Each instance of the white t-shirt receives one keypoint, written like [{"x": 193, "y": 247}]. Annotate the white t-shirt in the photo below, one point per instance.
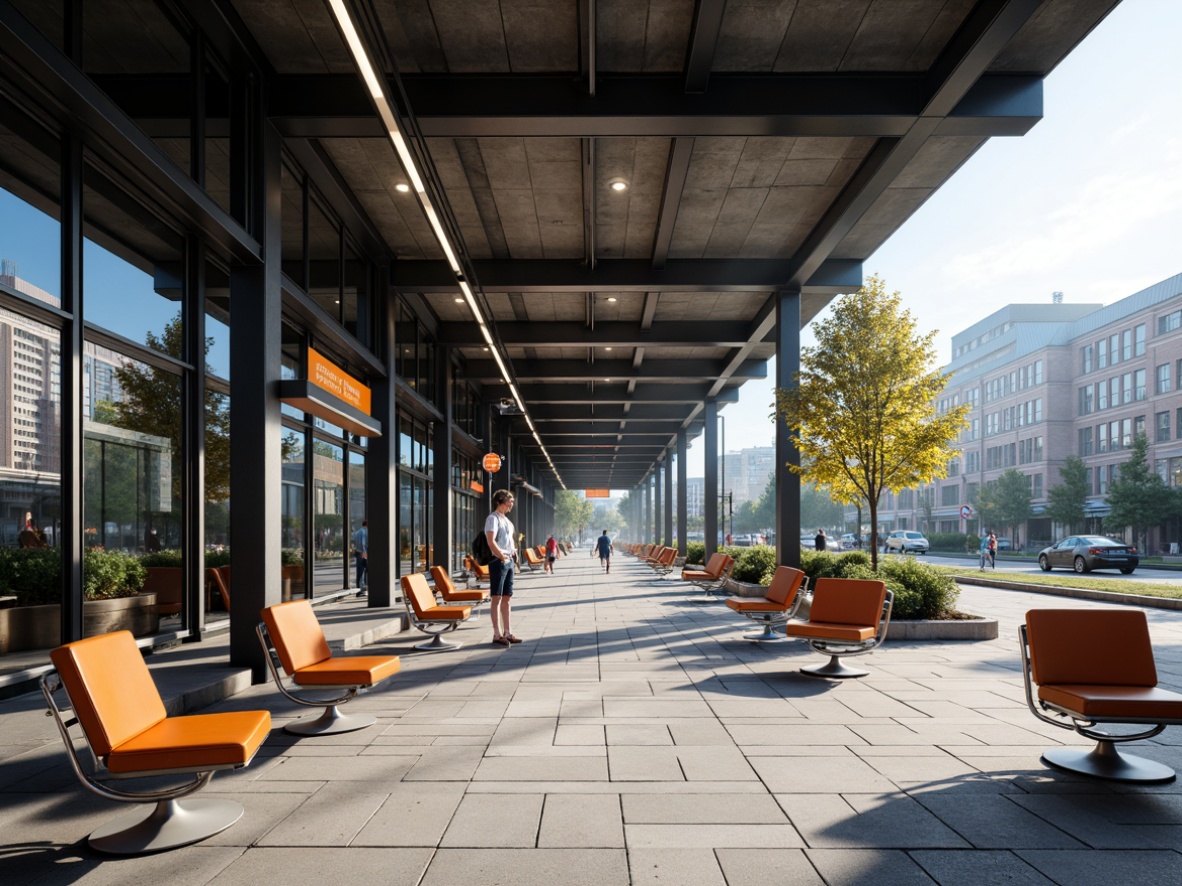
[{"x": 502, "y": 530}]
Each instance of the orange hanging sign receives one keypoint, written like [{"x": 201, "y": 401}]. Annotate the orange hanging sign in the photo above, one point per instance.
[
  {"x": 336, "y": 381},
  {"x": 492, "y": 463},
  {"x": 597, "y": 493}
]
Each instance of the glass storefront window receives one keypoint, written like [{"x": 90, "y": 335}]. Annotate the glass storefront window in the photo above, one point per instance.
[
  {"x": 292, "y": 511},
  {"x": 132, "y": 267},
  {"x": 357, "y": 511},
  {"x": 132, "y": 486},
  {"x": 355, "y": 295},
  {"x": 217, "y": 136},
  {"x": 30, "y": 494},
  {"x": 324, "y": 260},
  {"x": 137, "y": 37},
  {"x": 30, "y": 234},
  {"x": 328, "y": 515},
  {"x": 292, "y": 224}
]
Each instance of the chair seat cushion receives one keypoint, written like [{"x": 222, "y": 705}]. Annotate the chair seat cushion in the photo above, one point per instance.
[
  {"x": 819, "y": 630},
  {"x": 219, "y": 741},
  {"x": 467, "y": 596},
  {"x": 756, "y": 604},
  {"x": 445, "y": 613},
  {"x": 697, "y": 575},
  {"x": 349, "y": 670},
  {"x": 1144, "y": 702}
]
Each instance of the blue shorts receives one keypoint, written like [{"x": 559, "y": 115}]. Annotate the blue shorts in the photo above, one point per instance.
[{"x": 500, "y": 575}]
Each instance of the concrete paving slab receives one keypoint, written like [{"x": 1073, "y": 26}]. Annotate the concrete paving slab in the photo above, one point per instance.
[
  {"x": 702, "y": 809},
  {"x": 525, "y": 867},
  {"x": 591, "y": 822},
  {"x": 501, "y": 820},
  {"x": 685, "y": 867}
]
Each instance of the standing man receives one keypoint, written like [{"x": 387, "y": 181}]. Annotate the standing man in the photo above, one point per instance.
[
  {"x": 361, "y": 552},
  {"x": 992, "y": 549},
  {"x": 604, "y": 546},
  {"x": 499, "y": 532},
  {"x": 819, "y": 541}
]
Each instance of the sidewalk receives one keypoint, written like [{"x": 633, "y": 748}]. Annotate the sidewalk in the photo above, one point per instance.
[{"x": 635, "y": 738}]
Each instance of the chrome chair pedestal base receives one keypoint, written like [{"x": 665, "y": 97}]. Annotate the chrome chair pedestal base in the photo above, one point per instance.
[
  {"x": 768, "y": 634},
  {"x": 167, "y": 825},
  {"x": 1105, "y": 761},
  {"x": 834, "y": 669},
  {"x": 438, "y": 644},
  {"x": 331, "y": 722}
]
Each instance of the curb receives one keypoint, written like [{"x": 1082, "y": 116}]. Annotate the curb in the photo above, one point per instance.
[
  {"x": 925, "y": 629},
  {"x": 1076, "y": 593}
]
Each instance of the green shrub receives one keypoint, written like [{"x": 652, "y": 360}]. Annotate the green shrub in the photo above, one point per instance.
[
  {"x": 920, "y": 591},
  {"x": 32, "y": 575},
  {"x": 109, "y": 574},
  {"x": 755, "y": 565},
  {"x": 695, "y": 552},
  {"x": 288, "y": 557},
  {"x": 166, "y": 557}
]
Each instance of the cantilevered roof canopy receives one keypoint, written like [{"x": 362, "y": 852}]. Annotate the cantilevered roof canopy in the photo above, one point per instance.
[{"x": 753, "y": 148}]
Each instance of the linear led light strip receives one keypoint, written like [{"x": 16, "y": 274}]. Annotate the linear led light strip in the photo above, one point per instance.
[{"x": 394, "y": 130}]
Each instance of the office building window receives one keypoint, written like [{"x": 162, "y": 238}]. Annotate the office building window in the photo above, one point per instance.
[
  {"x": 1139, "y": 340},
  {"x": 1086, "y": 358},
  {"x": 1139, "y": 384},
  {"x": 1085, "y": 441},
  {"x": 1162, "y": 383},
  {"x": 1102, "y": 354},
  {"x": 1162, "y": 423}
]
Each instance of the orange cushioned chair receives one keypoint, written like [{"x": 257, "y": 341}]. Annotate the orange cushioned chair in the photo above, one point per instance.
[
  {"x": 428, "y": 616},
  {"x": 450, "y": 594},
  {"x": 216, "y": 581},
  {"x": 849, "y": 616},
  {"x": 1096, "y": 666},
  {"x": 532, "y": 560},
  {"x": 291, "y": 632},
  {"x": 130, "y": 736},
  {"x": 475, "y": 572},
  {"x": 784, "y": 596},
  {"x": 714, "y": 576}
]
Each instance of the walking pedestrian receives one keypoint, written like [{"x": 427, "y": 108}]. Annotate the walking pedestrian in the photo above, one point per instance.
[
  {"x": 361, "y": 554},
  {"x": 551, "y": 554},
  {"x": 992, "y": 549},
  {"x": 819, "y": 541},
  {"x": 603, "y": 545}
]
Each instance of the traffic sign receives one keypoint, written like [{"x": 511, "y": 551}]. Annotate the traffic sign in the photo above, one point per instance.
[
  {"x": 966, "y": 511},
  {"x": 492, "y": 463}
]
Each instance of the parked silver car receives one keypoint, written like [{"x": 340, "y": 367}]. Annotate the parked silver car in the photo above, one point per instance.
[
  {"x": 1083, "y": 553},
  {"x": 905, "y": 541}
]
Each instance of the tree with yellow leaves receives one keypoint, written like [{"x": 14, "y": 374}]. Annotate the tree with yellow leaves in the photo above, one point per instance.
[{"x": 863, "y": 411}]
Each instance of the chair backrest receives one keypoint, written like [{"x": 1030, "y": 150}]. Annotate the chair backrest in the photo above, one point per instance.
[
  {"x": 443, "y": 582},
  {"x": 165, "y": 583},
  {"x": 715, "y": 564},
  {"x": 532, "y": 557},
  {"x": 848, "y": 601},
  {"x": 785, "y": 585},
  {"x": 417, "y": 593},
  {"x": 296, "y": 634},
  {"x": 1090, "y": 647},
  {"x": 728, "y": 565},
  {"x": 110, "y": 689}
]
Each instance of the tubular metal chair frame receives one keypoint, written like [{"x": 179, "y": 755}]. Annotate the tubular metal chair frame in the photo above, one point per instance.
[
  {"x": 168, "y": 823},
  {"x": 434, "y": 629},
  {"x": 1104, "y": 760},
  {"x": 332, "y": 721},
  {"x": 710, "y": 585},
  {"x": 773, "y": 620},
  {"x": 836, "y": 649}
]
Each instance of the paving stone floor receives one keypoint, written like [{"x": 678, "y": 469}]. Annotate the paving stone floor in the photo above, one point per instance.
[{"x": 636, "y": 738}]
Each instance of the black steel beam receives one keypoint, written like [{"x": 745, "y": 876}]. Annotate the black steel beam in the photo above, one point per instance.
[
  {"x": 884, "y": 105},
  {"x": 486, "y": 371},
  {"x": 617, "y": 333},
  {"x": 650, "y": 392},
  {"x": 628, "y": 275}
]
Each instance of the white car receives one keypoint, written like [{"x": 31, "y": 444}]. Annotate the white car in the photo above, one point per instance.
[{"x": 904, "y": 541}]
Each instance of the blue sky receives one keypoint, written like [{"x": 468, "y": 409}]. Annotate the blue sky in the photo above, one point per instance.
[{"x": 1088, "y": 203}]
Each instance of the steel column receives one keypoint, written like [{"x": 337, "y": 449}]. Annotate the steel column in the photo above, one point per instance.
[
  {"x": 710, "y": 490},
  {"x": 787, "y": 482},
  {"x": 682, "y": 493},
  {"x": 668, "y": 497}
]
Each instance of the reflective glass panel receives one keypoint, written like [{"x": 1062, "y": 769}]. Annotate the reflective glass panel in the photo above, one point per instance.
[
  {"x": 328, "y": 514},
  {"x": 292, "y": 511}
]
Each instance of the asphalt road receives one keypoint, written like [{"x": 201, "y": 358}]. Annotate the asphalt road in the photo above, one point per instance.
[{"x": 1143, "y": 573}]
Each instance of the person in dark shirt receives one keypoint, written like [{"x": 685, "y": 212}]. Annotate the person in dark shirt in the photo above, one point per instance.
[
  {"x": 819, "y": 541},
  {"x": 604, "y": 546}
]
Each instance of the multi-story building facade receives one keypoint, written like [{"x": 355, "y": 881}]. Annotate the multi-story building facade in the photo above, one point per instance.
[{"x": 1048, "y": 381}]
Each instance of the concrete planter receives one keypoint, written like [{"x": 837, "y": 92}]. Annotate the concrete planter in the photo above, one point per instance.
[
  {"x": 39, "y": 627},
  {"x": 745, "y": 589},
  {"x": 926, "y": 629}
]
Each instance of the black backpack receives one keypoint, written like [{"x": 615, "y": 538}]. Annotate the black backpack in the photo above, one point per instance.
[{"x": 481, "y": 552}]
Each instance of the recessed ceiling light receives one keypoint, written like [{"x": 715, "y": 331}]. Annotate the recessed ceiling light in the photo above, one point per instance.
[
  {"x": 612, "y": 298},
  {"x": 402, "y": 187},
  {"x": 484, "y": 349},
  {"x": 459, "y": 300},
  {"x": 607, "y": 349},
  {"x": 619, "y": 185},
  {"x": 607, "y": 379}
]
